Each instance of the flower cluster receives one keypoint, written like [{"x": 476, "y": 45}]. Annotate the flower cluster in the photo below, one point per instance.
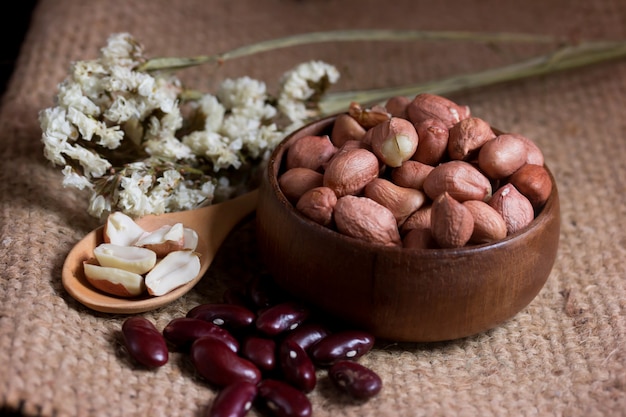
[{"x": 141, "y": 144}]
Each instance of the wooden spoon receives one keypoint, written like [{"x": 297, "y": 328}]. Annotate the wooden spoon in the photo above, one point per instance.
[{"x": 213, "y": 223}]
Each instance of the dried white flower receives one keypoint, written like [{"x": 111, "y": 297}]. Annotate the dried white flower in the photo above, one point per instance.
[
  {"x": 122, "y": 50},
  {"x": 122, "y": 133},
  {"x": 168, "y": 147},
  {"x": 72, "y": 96},
  {"x": 57, "y": 130},
  {"x": 214, "y": 147},
  {"x": 133, "y": 194},
  {"x": 301, "y": 84},
  {"x": 212, "y": 111},
  {"x": 242, "y": 92},
  {"x": 72, "y": 179},
  {"x": 99, "y": 205},
  {"x": 186, "y": 197}
]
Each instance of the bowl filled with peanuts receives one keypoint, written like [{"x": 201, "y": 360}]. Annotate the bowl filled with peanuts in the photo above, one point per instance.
[{"x": 414, "y": 220}]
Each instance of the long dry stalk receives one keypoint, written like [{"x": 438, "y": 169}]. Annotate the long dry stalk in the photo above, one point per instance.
[
  {"x": 173, "y": 63},
  {"x": 567, "y": 57}
]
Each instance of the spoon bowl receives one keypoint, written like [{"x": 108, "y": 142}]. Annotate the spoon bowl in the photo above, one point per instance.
[{"x": 213, "y": 223}]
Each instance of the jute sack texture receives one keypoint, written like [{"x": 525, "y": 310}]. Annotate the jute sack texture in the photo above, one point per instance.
[{"x": 563, "y": 355}]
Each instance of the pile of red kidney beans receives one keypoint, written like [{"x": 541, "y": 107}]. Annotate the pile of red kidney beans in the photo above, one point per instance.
[{"x": 259, "y": 349}]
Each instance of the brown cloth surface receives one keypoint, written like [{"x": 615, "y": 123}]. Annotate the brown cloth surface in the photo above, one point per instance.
[{"x": 563, "y": 355}]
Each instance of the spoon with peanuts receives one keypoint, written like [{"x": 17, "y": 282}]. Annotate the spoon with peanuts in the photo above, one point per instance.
[{"x": 212, "y": 224}]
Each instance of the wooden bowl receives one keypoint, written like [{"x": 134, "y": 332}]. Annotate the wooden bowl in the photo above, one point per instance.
[{"x": 401, "y": 294}]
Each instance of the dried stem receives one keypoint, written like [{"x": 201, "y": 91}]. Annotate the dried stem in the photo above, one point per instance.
[
  {"x": 173, "y": 63},
  {"x": 567, "y": 57}
]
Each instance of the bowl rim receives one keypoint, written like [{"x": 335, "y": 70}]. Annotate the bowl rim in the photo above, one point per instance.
[{"x": 274, "y": 166}]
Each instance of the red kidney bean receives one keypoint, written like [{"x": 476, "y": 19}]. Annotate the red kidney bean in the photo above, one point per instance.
[
  {"x": 296, "y": 366},
  {"x": 183, "y": 331},
  {"x": 234, "y": 400},
  {"x": 307, "y": 334},
  {"x": 219, "y": 365},
  {"x": 144, "y": 342},
  {"x": 261, "y": 351},
  {"x": 283, "y": 399},
  {"x": 355, "y": 379},
  {"x": 231, "y": 316},
  {"x": 235, "y": 296},
  {"x": 346, "y": 344},
  {"x": 281, "y": 317},
  {"x": 262, "y": 292}
]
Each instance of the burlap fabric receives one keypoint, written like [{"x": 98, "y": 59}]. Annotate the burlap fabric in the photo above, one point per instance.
[{"x": 563, "y": 355}]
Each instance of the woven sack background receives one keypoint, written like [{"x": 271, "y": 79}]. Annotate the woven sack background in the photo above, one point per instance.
[{"x": 563, "y": 355}]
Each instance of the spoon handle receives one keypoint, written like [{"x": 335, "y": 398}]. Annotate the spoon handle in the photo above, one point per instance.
[{"x": 220, "y": 219}]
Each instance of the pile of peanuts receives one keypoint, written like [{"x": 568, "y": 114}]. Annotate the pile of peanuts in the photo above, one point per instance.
[
  {"x": 416, "y": 173},
  {"x": 259, "y": 349}
]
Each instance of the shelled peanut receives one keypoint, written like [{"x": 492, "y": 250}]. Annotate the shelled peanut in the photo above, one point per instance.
[
  {"x": 133, "y": 262},
  {"x": 417, "y": 173}
]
